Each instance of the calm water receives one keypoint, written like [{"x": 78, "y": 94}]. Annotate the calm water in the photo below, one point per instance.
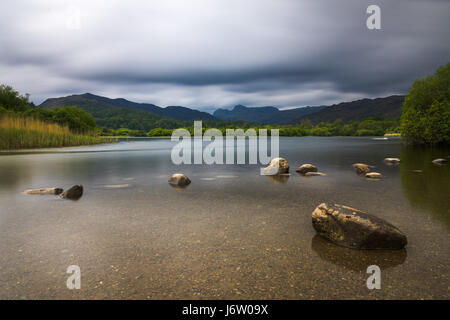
[{"x": 231, "y": 234}]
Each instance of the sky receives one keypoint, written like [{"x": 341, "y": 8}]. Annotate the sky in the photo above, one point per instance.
[{"x": 207, "y": 54}]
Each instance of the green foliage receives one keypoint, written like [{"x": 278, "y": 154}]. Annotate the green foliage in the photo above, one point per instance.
[
  {"x": 78, "y": 120},
  {"x": 12, "y": 100},
  {"x": 426, "y": 110},
  {"x": 369, "y": 127},
  {"x": 22, "y": 125},
  {"x": 3, "y": 110},
  {"x": 159, "y": 132}
]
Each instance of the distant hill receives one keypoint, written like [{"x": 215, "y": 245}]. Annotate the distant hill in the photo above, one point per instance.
[
  {"x": 265, "y": 115},
  {"x": 90, "y": 101},
  {"x": 382, "y": 108}
]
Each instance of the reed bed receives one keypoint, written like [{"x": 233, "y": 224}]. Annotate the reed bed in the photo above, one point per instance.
[{"x": 20, "y": 132}]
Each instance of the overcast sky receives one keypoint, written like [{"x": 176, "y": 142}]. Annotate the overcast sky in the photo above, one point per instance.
[{"x": 201, "y": 54}]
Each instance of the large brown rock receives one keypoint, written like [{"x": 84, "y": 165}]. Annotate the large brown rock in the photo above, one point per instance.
[
  {"x": 276, "y": 166},
  {"x": 304, "y": 168},
  {"x": 352, "y": 228},
  {"x": 73, "y": 193}
]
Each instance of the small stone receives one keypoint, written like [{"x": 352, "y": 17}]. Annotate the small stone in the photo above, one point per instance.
[
  {"x": 304, "y": 168},
  {"x": 362, "y": 168},
  {"x": 73, "y": 193},
  {"x": 374, "y": 175},
  {"x": 440, "y": 161},
  {"x": 179, "y": 180},
  {"x": 392, "y": 160},
  {"x": 313, "y": 174},
  {"x": 43, "y": 191},
  {"x": 117, "y": 186}
]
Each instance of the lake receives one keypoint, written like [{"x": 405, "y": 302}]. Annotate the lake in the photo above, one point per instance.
[{"x": 231, "y": 234}]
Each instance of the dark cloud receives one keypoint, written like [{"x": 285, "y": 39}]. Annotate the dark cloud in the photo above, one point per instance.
[{"x": 220, "y": 53}]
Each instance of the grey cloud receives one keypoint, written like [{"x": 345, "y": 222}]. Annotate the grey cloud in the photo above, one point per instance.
[{"x": 220, "y": 53}]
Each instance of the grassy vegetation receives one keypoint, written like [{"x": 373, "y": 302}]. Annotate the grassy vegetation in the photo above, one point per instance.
[
  {"x": 22, "y": 125},
  {"x": 17, "y": 132}
]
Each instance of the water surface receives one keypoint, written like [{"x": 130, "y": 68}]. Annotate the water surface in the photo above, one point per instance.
[{"x": 231, "y": 234}]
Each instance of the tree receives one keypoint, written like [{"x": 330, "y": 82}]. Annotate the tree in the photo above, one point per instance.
[
  {"x": 76, "y": 119},
  {"x": 12, "y": 100},
  {"x": 426, "y": 111}
]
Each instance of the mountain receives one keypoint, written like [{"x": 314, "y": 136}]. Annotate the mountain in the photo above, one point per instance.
[
  {"x": 122, "y": 113},
  {"x": 264, "y": 115},
  {"x": 383, "y": 108},
  {"x": 90, "y": 101}
]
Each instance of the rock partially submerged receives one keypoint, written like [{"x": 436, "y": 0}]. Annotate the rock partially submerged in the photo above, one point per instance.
[
  {"x": 305, "y": 168},
  {"x": 276, "y": 166},
  {"x": 392, "y": 161},
  {"x": 73, "y": 193},
  {"x": 43, "y": 191},
  {"x": 117, "y": 186},
  {"x": 374, "y": 175},
  {"x": 352, "y": 228},
  {"x": 314, "y": 174},
  {"x": 179, "y": 180},
  {"x": 362, "y": 168},
  {"x": 440, "y": 161}
]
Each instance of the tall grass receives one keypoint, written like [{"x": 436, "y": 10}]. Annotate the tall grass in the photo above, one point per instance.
[{"x": 20, "y": 132}]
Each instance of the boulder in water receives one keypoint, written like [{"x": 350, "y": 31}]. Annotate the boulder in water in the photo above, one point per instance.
[
  {"x": 374, "y": 175},
  {"x": 352, "y": 228},
  {"x": 314, "y": 174},
  {"x": 362, "y": 168},
  {"x": 304, "y": 168},
  {"x": 276, "y": 166},
  {"x": 179, "y": 180},
  {"x": 392, "y": 161},
  {"x": 73, "y": 193}
]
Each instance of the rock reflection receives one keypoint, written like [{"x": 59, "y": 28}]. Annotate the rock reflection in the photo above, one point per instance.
[
  {"x": 179, "y": 188},
  {"x": 425, "y": 185},
  {"x": 14, "y": 175},
  {"x": 357, "y": 260},
  {"x": 279, "y": 179}
]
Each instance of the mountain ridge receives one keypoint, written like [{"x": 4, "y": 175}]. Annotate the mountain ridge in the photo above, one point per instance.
[
  {"x": 174, "y": 112},
  {"x": 357, "y": 110},
  {"x": 103, "y": 109}
]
